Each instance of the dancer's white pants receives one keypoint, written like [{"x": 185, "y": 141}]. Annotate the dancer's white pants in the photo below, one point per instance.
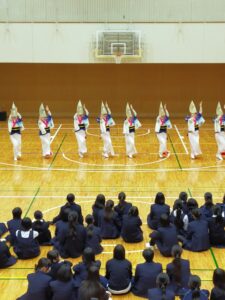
[
  {"x": 220, "y": 139},
  {"x": 16, "y": 141},
  {"x": 107, "y": 143},
  {"x": 130, "y": 144},
  {"x": 162, "y": 138},
  {"x": 81, "y": 141},
  {"x": 194, "y": 142},
  {"x": 45, "y": 143}
]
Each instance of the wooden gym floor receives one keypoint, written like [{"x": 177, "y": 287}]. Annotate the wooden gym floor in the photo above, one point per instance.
[{"x": 34, "y": 183}]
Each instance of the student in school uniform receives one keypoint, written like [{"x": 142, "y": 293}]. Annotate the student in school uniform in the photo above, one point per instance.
[
  {"x": 216, "y": 228},
  {"x": 146, "y": 274},
  {"x": 42, "y": 227},
  {"x": 179, "y": 272},
  {"x": 194, "y": 291},
  {"x": 15, "y": 126},
  {"x": 38, "y": 282},
  {"x": 14, "y": 224},
  {"x": 165, "y": 237},
  {"x": 93, "y": 235},
  {"x": 222, "y": 205},
  {"x": 45, "y": 124},
  {"x": 63, "y": 287},
  {"x": 109, "y": 222},
  {"x": 162, "y": 292},
  {"x": 71, "y": 242},
  {"x": 6, "y": 259},
  {"x": 183, "y": 196},
  {"x": 131, "y": 231},
  {"x": 81, "y": 269},
  {"x": 206, "y": 209},
  {"x": 61, "y": 227},
  {"x": 156, "y": 210},
  {"x": 162, "y": 124},
  {"x": 179, "y": 218},
  {"x": 55, "y": 263},
  {"x": 123, "y": 207},
  {"x": 91, "y": 288},
  {"x": 119, "y": 272},
  {"x": 197, "y": 238},
  {"x": 26, "y": 245},
  {"x": 218, "y": 291},
  {"x": 3, "y": 229},
  {"x": 72, "y": 206},
  {"x": 98, "y": 206},
  {"x": 191, "y": 205}
]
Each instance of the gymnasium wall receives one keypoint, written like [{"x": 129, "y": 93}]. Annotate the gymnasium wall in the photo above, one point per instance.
[
  {"x": 144, "y": 85},
  {"x": 75, "y": 43}
]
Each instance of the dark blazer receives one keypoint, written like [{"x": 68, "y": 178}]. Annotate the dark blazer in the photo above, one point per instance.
[
  {"x": 38, "y": 287},
  {"x": 13, "y": 225},
  {"x": 217, "y": 294},
  {"x": 165, "y": 238},
  {"x": 71, "y": 247},
  {"x": 179, "y": 289},
  {"x": 84, "y": 293},
  {"x": 60, "y": 228},
  {"x": 26, "y": 247},
  {"x": 123, "y": 209},
  {"x": 216, "y": 232},
  {"x": 109, "y": 229},
  {"x": 3, "y": 229},
  {"x": 73, "y": 207},
  {"x": 94, "y": 241},
  {"x": 156, "y": 294},
  {"x": 6, "y": 259},
  {"x": 62, "y": 290},
  {"x": 204, "y": 295},
  {"x": 156, "y": 210},
  {"x": 118, "y": 273},
  {"x": 44, "y": 237},
  {"x": 197, "y": 236},
  {"x": 81, "y": 271},
  {"x": 131, "y": 229},
  {"x": 95, "y": 214},
  {"x": 206, "y": 212},
  {"x": 145, "y": 278}
]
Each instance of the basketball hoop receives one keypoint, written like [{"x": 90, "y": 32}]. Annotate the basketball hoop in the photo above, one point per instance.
[{"x": 118, "y": 57}]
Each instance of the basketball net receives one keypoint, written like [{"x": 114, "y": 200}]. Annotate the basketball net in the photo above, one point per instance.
[{"x": 118, "y": 57}]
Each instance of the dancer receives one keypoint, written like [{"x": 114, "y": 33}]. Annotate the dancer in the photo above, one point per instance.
[
  {"x": 15, "y": 126},
  {"x": 162, "y": 123},
  {"x": 131, "y": 123},
  {"x": 81, "y": 124},
  {"x": 194, "y": 122},
  {"x": 106, "y": 121},
  {"x": 219, "y": 126},
  {"x": 45, "y": 124}
]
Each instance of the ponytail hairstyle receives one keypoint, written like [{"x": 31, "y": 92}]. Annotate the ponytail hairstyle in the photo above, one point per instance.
[
  {"x": 73, "y": 221},
  {"x": 90, "y": 225},
  {"x": 38, "y": 217},
  {"x": 108, "y": 211},
  {"x": 178, "y": 220},
  {"x": 100, "y": 201},
  {"x": 176, "y": 253},
  {"x": 164, "y": 220},
  {"x": 183, "y": 197},
  {"x": 53, "y": 256},
  {"x": 196, "y": 213},
  {"x": 121, "y": 198},
  {"x": 217, "y": 211},
  {"x": 192, "y": 204},
  {"x": 208, "y": 200},
  {"x": 194, "y": 284},
  {"x": 43, "y": 263},
  {"x": 162, "y": 281}
]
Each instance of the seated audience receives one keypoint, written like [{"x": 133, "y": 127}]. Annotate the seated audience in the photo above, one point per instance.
[
  {"x": 6, "y": 259},
  {"x": 191, "y": 204},
  {"x": 194, "y": 292},
  {"x": 14, "y": 224},
  {"x": 26, "y": 244},
  {"x": 123, "y": 207},
  {"x": 218, "y": 291},
  {"x": 3, "y": 229},
  {"x": 109, "y": 222},
  {"x": 93, "y": 235},
  {"x": 71, "y": 205},
  {"x": 183, "y": 196},
  {"x": 146, "y": 274},
  {"x": 179, "y": 272},
  {"x": 216, "y": 228},
  {"x": 157, "y": 210},
  {"x": 131, "y": 231},
  {"x": 97, "y": 207},
  {"x": 38, "y": 282},
  {"x": 206, "y": 209},
  {"x": 179, "y": 218},
  {"x": 54, "y": 258},
  {"x": 165, "y": 237},
  {"x": 119, "y": 272},
  {"x": 39, "y": 225},
  {"x": 162, "y": 292}
]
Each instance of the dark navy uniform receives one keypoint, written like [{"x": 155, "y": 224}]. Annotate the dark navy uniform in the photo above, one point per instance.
[
  {"x": 123, "y": 209},
  {"x": 156, "y": 211},
  {"x": 6, "y": 259},
  {"x": 156, "y": 294},
  {"x": 72, "y": 207},
  {"x": 145, "y": 278},
  {"x": 217, "y": 294},
  {"x": 95, "y": 214},
  {"x": 44, "y": 237},
  {"x": 110, "y": 229},
  {"x": 94, "y": 241},
  {"x": 13, "y": 225},
  {"x": 204, "y": 295},
  {"x": 62, "y": 290},
  {"x": 131, "y": 229},
  {"x": 3, "y": 229},
  {"x": 216, "y": 232},
  {"x": 26, "y": 247},
  {"x": 81, "y": 271}
]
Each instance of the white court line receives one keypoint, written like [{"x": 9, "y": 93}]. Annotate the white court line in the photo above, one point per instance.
[
  {"x": 181, "y": 139},
  {"x": 53, "y": 137}
]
